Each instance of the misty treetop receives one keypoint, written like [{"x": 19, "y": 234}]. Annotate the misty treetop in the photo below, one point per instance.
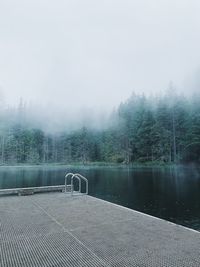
[{"x": 143, "y": 129}]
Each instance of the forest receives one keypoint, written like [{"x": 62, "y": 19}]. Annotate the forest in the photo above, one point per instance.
[{"x": 143, "y": 129}]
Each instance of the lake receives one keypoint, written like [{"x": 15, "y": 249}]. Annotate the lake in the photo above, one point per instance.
[{"x": 171, "y": 193}]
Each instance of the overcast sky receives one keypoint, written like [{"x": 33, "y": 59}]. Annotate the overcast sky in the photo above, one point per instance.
[{"x": 95, "y": 53}]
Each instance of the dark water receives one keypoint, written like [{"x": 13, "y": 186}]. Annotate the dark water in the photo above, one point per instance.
[{"x": 169, "y": 193}]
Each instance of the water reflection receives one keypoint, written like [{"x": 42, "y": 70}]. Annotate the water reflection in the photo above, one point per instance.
[{"x": 169, "y": 193}]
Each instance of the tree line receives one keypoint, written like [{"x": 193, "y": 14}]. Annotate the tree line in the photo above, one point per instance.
[{"x": 142, "y": 129}]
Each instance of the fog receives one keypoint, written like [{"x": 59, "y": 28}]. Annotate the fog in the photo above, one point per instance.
[{"x": 93, "y": 54}]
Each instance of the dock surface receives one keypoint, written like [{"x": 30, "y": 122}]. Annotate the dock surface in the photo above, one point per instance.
[{"x": 55, "y": 229}]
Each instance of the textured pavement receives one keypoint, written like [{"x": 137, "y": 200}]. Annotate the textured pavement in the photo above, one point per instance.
[{"x": 55, "y": 229}]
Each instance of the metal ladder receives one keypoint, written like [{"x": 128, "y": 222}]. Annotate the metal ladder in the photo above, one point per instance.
[{"x": 80, "y": 178}]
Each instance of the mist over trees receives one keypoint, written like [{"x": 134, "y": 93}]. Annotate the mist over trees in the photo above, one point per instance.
[{"x": 142, "y": 129}]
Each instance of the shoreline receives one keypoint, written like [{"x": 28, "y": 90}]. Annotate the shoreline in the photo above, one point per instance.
[{"x": 103, "y": 164}]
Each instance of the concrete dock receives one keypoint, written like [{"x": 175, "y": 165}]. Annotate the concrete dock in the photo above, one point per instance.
[{"x": 55, "y": 229}]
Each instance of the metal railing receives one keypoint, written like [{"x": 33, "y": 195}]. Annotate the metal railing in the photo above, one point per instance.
[{"x": 80, "y": 178}]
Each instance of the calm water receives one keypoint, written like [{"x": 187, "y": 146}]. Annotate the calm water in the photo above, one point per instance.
[{"x": 169, "y": 193}]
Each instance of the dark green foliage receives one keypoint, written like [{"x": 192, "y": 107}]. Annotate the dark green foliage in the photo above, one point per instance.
[{"x": 145, "y": 129}]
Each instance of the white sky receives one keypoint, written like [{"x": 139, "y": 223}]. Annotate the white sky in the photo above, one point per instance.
[{"x": 96, "y": 53}]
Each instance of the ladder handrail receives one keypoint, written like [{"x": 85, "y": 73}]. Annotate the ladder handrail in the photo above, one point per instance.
[
  {"x": 79, "y": 177},
  {"x": 71, "y": 174}
]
